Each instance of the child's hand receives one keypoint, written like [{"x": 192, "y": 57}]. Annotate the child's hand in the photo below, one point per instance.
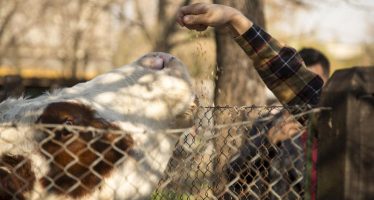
[{"x": 199, "y": 16}]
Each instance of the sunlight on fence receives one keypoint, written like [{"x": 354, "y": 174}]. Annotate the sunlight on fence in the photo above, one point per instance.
[{"x": 253, "y": 153}]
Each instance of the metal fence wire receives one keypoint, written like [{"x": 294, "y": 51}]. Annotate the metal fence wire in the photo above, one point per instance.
[{"x": 255, "y": 152}]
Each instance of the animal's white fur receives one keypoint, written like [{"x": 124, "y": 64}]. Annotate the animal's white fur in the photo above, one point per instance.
[{"x": 139, "y": 100}]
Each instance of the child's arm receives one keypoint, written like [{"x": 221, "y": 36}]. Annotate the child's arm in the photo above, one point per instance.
[
  {"x": 199, "y": 16},
  {"x": 280, "y": 67}
]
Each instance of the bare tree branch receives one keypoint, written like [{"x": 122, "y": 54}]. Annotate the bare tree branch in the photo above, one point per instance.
[
  {"x": 166, "y": 29},
  {"x": 15, "y": 36},
  {"x": 8, "y": 17},
  {"x": 142, "y": 23},
  {"x": 161, "y": 12},
  {"x": 187, "y": 41}
]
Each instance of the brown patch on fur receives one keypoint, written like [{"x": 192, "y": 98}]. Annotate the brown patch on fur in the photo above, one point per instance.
[
  {"x": 73, "y": 156},
  {"x": 16, "y": 177}
]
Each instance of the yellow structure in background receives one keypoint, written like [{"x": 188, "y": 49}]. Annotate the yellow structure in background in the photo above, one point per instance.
[{"x": 41, "y": 73}]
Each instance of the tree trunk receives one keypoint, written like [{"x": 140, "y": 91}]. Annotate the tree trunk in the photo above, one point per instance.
[
  {"x": 237, "y": 83},
  {"x": 166, "y": 27}
]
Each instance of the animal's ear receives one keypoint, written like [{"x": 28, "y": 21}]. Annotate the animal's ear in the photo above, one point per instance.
[{"x": 66, "y": 113}]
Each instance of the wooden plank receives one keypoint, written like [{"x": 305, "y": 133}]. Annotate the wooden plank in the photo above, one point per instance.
[{"x": 346, "y": 136}]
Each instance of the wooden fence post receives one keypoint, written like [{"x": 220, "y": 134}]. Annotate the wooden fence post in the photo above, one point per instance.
[{"x": 346, "y": 136}]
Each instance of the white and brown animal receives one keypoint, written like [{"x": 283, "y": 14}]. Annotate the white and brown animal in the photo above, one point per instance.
[{"x": 140, "y": 99}]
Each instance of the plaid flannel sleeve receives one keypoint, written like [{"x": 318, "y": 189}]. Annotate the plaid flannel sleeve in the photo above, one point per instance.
[{"x": 281, "y": 68}]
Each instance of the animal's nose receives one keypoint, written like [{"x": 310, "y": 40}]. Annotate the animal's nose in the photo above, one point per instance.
[
  {"x": 160, "y": 60},
  {"x": 165, "y": 57},
  {"x": 156, "y": 60},
  {"x": 157, "y": 63}
]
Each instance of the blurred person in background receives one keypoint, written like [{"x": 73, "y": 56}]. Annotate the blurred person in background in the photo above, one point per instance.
[
  {"x": 316, "y": 62},
  {"x": 283, "y": 127}
]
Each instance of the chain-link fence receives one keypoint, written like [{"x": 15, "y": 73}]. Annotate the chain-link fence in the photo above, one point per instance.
[{"x": 231, "y": 153}]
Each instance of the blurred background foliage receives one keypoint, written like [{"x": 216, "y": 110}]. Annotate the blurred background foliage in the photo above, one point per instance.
[{"x": 82, "y": 38}]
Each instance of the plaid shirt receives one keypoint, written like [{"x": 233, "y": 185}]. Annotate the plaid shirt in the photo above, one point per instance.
[
  {"x": 284, "y": 73},
  {"x": 281, "y": 68}
]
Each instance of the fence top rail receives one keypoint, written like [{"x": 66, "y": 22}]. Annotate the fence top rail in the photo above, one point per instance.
[{"x": 172, "y": 131}]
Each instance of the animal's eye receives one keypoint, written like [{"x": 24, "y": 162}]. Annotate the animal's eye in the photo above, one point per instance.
[{"x": 65, "y": 134}]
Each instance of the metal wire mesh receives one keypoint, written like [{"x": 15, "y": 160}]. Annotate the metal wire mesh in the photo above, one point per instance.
[
  {"x": 253, "y": 153},
  {"x": 258, "y": 153}
]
